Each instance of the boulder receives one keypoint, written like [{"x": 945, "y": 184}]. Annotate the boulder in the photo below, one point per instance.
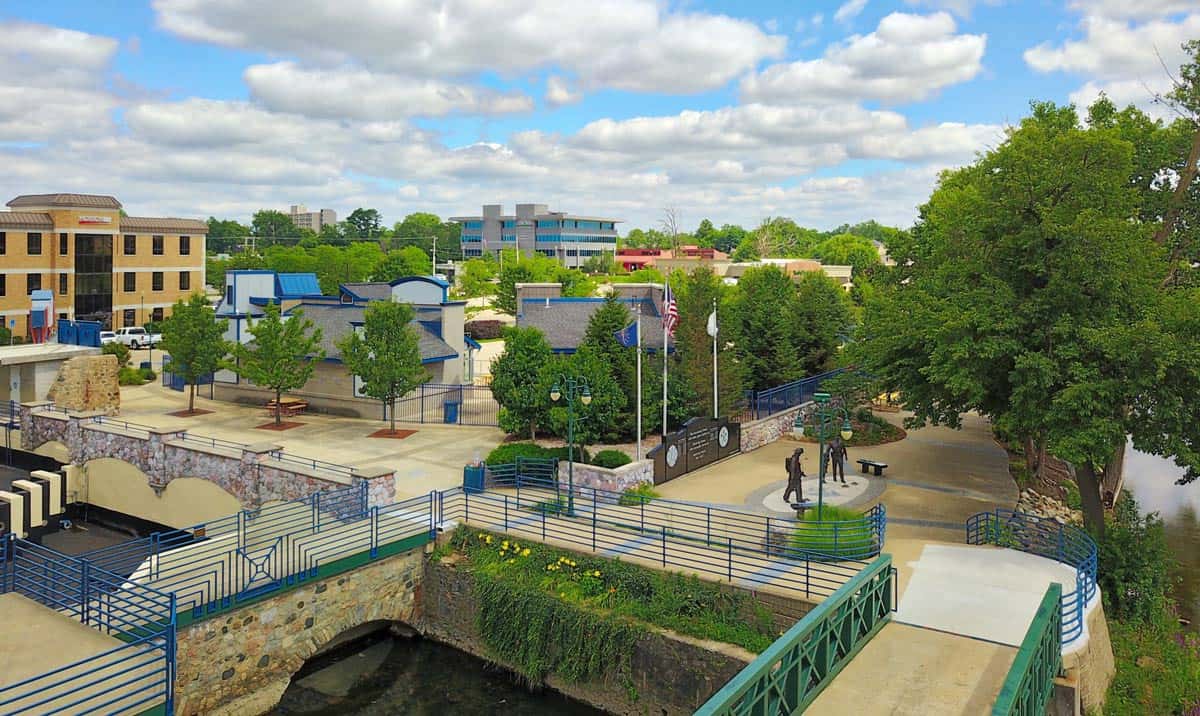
[{"x": 87, "y": 383}]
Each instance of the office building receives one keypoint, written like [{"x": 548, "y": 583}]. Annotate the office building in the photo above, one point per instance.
[
  {"x": 533, "y": 228},
  {"x": 314, "y": 220},
  {"x": 99, "y": 265}
]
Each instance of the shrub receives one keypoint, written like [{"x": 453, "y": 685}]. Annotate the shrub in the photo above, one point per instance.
[
  {"x": 130, "y": 376},
  {"x": 5, "y": 335},
  {"x": 484, "y": 330},
  {"x": 610, "y": 459},
  {"x": 509, "y": 452},
  {"x": 120, "y": 350},
  {"x": 839, "y": 532},
  {"x": 1134, "y": 564},
  {"x": 147, "y": 374},
  {"x": 639, "y": 494}
]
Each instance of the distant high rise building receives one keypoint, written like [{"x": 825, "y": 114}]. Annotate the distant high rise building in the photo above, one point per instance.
[
  {"x": 314, "y": 220},
  {"x": 569, "y": 238}
]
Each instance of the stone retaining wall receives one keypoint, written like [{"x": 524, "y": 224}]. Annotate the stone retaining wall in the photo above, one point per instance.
[
  {"x": 757, "y": 433},
  {"x": 1093, "y": 666},
  {"x": 614, "y": 480},
  {"x": 241, "y": 663}
]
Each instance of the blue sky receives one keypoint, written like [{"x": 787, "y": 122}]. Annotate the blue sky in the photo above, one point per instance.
[{"x": 822, "y": 111}]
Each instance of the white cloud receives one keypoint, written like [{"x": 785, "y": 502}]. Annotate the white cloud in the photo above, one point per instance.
[
  {"x": 626, "y": 44},
  {"x": 363, "y": 94},
  {"x": 907, "y": 58},
  {"x": 1117, "y": 49},
  {"x": 1127, "y": 9},
  {"x": 962, "y": 8},
  {"x": 849, "y": 10},
  {"x": 559, "y": 92}
]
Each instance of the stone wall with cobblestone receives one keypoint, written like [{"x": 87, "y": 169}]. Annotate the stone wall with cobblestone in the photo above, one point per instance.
[
  {"x": 241, "y": 663},
  {"x": 614, "y": 480},
  {"x": 765, "y": 431}
]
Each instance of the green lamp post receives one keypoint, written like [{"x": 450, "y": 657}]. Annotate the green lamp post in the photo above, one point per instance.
[
  {"x": 577, "y": 389},
  {"x": 824, "y": 418}
]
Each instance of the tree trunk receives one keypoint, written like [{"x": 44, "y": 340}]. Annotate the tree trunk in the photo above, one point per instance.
[
  {"x": 1042, "y": 462},
  {"x": 1089, "y": 491},
  {"x": 1114, "y": 475},
  {"x": 1031, "y": 462},
  {"x": 392, "y": 414},
  {"x": 192, "y": 399},
  {"x": 278, "y": 409},
  {"x": 1181, "y": 189}
]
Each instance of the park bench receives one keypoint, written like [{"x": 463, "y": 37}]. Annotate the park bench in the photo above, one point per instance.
[
  {"x": 288, "y": 406},
  {"x": 868, "y": 464}
]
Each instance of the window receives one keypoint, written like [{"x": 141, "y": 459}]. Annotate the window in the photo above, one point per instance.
[
  {"x": 229, "y": 295},
  {"x": 156, "y": 315},
  {"x": 156, "y": 245},
  {"x": 33, "y": 282},
  {"x": 3, "y": 284},
  {"x": 156, "y": 281},
  {"x": 3, "y": 242},
  {"x": 472, "y": 224},
  {"x": 129, "y": 318},
  {"x": 62, "y": 244},
  {"x": 543, "y": 224},
  {"x": 62, "y": 284},
  {"x": 185, "y": 280},
  {"x": 130, "y": 245},
  {"x": 34, "y": 242},
  {"x": 130, "y": 282},
  {"x": 62, "y": 316},
  {"x": 185, "y": 245}
]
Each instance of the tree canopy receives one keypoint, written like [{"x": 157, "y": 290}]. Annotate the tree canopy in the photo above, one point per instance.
[
  {"x": 283, "y": 354},
  {"x": 195, "y": 340},
  {"x": 517, "y": 380},
  {"x": 385, "y": 355}
]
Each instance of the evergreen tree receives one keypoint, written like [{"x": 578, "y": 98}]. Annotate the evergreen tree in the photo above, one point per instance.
[
  {"x": 282, "y": 355},
  {"x": 517, "y": 381},
  {"x": 693, "y": 345},
  {"x": 766, "y": 310},
  {"x": 621, "y": 361},
  {"x": 823, "y": 320}
]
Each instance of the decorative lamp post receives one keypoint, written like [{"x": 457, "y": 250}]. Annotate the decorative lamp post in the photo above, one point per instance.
[
  {"x": 824, "y": 419},
  {"x": 577, "y": 388}
]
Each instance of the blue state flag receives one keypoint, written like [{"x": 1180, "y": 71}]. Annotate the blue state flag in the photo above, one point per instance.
[{"x": 628, "y": 336}]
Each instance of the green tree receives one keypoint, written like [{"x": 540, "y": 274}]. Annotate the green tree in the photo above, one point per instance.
[
  {"x": 194, "y": 338},
  {"x": 693, "y": 345},
  {"x": 365, "y": 222},
  {"x": 765, "y": 316},
  {"x": 385, "y": 355},
  {"x": 728, "y": 237},
  {"x": 747, "y": 249},
  {"x": 268, "y": 223},
  {"x": 331, "y": 232},
  {"x": 506, "y": 290},
  {"x": 594, "y": 421},
  {"x": 516, "y": 380},
  {"x": 224, "y": 235},
  {"x": 848, "y": 250},
  {"x": 705, "y": 233},
  {"x": 621, "y": 362},
  {"x": 475, "y": 278},
  {"x": 824, "y": 319},
  {"x": 603, "y": 262},
  {"x": 1032, "y": 290},
  {"x": 647, "y": 275},
  {"x": 282, "y": 355},
  {"x": 427, "y": 228},
  {"x": 408, "y": 261}
]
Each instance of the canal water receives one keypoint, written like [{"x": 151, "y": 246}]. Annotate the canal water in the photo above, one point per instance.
[
  {"x": 1152, "y": 481},
  {"x": 383, "y": 674}
]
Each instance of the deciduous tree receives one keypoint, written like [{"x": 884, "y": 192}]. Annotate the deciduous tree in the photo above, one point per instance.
[
  {"x": 283, "y": 354},
  {"x": 516, "y": 380},
  {"x": 385, "y": 354},
  {"x": 194, "y": 338}
]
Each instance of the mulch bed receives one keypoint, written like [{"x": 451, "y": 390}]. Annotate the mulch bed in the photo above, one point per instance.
[
  {"x": 189, "y": 413},
  {"x": 281, "y": 426},
  {"x": 397, "y": 435}
]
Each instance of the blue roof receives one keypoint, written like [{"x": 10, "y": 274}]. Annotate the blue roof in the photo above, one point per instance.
[
  {"x": 472, "y": 342},
  {"x": 297, "y": 284},
  {"x": 427, "y": 279}
]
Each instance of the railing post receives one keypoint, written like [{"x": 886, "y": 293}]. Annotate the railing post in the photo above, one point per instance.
[
  {"x": 83, "y": 592},
  {"x": 506, "y": 513},
  {"x": 544, "y": 523},
  {"x": 767, "y": 537},
  {"x": 707, "y": 524},
  {"x": 518, "y": 492},
  {"x": 593, "y": 519},
  {"x": 664, "y": 541},
  {"x": 642, "y": 518},
  {"x": 374, "y": 532},
  {"x": 835, "y": 539},
  {"x": 466, "y": 506},
  {"x": 730, "y": 548}
]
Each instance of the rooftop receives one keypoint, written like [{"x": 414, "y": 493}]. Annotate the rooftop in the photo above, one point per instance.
[
  {"x": 86, "y": 201},
  {"x": 564, "y": 321},
  {"x": 336, "y": 321}
]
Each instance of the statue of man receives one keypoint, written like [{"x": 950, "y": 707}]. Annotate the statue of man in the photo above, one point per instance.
[
  {"x": 837, "y": 456},
  {"x": 795, "y": 472}
]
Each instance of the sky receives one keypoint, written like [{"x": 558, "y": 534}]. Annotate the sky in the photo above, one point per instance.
[{"x": 735, "y": 111}]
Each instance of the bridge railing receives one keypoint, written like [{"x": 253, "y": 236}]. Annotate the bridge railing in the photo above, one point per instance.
[
  {"x": 1030, "y": 681},
  {"x": 133, "y": 677},
  {"x": 761, "y": 403},
  {"x": 858, "y": 539},
  {"x": 659, "y": 543},
  {"x": 1047, "y": 538},
  {"x": 792, "y": 672}
]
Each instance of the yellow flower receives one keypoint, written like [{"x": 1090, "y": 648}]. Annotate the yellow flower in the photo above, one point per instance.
[{"x": 525, "y": 552}]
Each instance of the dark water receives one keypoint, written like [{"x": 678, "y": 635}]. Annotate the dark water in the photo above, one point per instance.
[
  {"x": 1152, "y": 481},
  {"x": 391, "y": 675}
]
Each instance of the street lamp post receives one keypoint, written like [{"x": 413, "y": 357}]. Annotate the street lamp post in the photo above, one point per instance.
[
  {"x": 824, "y": 418},
  {"x": 576, "y": 388}
]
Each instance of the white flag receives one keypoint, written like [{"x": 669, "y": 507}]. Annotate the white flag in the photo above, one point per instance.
[{"x": 712, "y": 324}]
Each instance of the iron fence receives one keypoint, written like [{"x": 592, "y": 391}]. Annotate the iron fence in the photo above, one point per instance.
[
  {"x": 449, "y": 404},
  {"x": 1047, "y": 538},
  {"x": 761, "y": 403},
  {"x": 1030, "y": 681}
]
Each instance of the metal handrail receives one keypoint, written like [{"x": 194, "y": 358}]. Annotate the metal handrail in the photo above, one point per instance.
[
  {"x": 1030, "y": 681},
  {"x": 763, "y": 403}
]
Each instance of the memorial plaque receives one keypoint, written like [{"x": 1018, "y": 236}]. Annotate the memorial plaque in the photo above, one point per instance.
[{"x": 700, "y": 442}]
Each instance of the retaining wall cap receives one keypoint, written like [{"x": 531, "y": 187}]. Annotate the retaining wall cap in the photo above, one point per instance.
[
  {"x": 37, "y": 403},
  {"x": 261, "y": 448},
  {"x": 167, "y": 431},
  {"x": 87, "y": 413},
  {"x": 372, "y": 473}
]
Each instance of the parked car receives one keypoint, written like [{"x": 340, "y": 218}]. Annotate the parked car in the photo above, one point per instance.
[
  {"x": 107, "y": 337},
  {"x": 137, "y": 337}
]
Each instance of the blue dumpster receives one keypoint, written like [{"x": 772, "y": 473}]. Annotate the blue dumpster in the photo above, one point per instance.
[
  {"x": 450, "y": 412},
  {"x": 145, "y": 365},
  {"x": 473, "y": 479}
]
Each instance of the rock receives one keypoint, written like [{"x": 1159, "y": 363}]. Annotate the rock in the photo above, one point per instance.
[
  {"x": 1148, "y": 662},
  {"x": 87, "y": 383}
]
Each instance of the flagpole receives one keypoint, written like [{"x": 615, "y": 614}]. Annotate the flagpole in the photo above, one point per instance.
[
  {"x": 715, "y": 412},
  {"x": 666, "y": 287},
  {"x": 639, "y": 381}
]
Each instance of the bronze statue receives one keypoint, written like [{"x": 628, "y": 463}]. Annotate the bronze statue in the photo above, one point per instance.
[
  {"x": 837, "y": 455},
  {"x": 795, "y": 472}
]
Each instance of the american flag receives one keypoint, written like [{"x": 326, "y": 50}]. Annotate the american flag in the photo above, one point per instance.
[{"x": 670, "y": 312}]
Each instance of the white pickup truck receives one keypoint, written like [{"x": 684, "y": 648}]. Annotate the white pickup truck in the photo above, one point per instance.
[{"x": 137, "y": 337}]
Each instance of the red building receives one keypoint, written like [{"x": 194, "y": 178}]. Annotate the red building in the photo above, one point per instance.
[{"x": 633, "y": 259}]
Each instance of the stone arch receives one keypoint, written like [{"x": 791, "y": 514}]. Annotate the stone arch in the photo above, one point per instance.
[
  {"x": 121, "y": 486},
  {"x": 55, "y": 449}
]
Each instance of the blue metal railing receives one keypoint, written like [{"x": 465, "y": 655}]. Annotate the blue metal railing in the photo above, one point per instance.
[
  {"x": 1047, "y": 538},
  {"x": 762, "y": 403},
  {"x": 133, "y": 677}
]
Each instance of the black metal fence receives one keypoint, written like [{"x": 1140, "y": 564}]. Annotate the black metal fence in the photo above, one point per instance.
[{"x": 449, "y": 404}]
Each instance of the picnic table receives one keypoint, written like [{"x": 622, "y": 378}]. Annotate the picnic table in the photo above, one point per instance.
[{"x": 287, "y": 406}]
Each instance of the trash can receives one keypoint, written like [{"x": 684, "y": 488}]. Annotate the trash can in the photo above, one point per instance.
[
  {"x": 145, "y": 365},
  {"x": 450, "y": 412},
  {"x": 473, "y": 479}
]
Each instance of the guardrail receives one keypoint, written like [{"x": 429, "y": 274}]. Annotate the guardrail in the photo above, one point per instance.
[
  {"x": 142, "y": 431},
  {"x": 1048, "y": 538},
  {"x": 310, "y": 463},
  {"x": 720, "y": 558},
  {"x": 859, "y": 539},
  {"x": 212, "y": 442},
  {"x": 760, "y": 404},
  {"x": 1030, "y": 681},
  {"x": 792, "y": 672},
  {"x": 133, "y": 677}
]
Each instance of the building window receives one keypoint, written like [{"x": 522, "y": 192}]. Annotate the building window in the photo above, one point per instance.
[
  {"x": 185, "y": 281},
  {"x": 130, "y": 282},
  {"x": 33, "y": 282},
  {"x": 62, "y": 316},
  {"x": 3, "y": 243},
  {"x": 62, "y": 244},
  {"x": 157, "y": 315},
  {"x": 156, "y": 281},
  {"x": 185, "y": 245},
  {"x": 130, "y": 317},
  {"x": 3, "y": 284},
  {"x": 130, "y": 245},
  {"x": 62, "y": 284},
  {"x": 156, "y": 245},
  {"x": 34, "y": 244},
  {"x": 229, "y": 295}
]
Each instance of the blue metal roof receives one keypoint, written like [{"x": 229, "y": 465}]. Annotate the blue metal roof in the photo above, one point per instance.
[
  {"x": 297, "y": 284},
  {"x": 472, "y": 342}
]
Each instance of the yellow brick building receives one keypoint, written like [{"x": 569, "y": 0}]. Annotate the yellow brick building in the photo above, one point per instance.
[{"x": 101, "y": 266}]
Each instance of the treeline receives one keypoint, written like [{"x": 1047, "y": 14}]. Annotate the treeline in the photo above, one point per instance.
[
  {"x": 333, "y": 264},
  {"x": 269, "y": 227}
]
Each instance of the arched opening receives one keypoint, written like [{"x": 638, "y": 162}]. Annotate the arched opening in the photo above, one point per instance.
[
  {"x": 53, "y": 449},
  {"x": 121, "y": 487}
]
